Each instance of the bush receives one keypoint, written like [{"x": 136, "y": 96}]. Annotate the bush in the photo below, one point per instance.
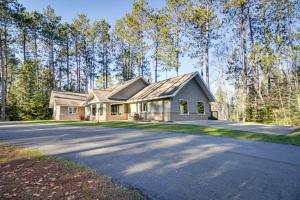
[{"x": 212, "y": 118}]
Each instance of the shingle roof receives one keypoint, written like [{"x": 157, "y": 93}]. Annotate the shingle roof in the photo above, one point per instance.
[
  {"x": 163, "y": 88},
  {"x": 67, "y": 98},
  {"x": 104, "y": 94}
]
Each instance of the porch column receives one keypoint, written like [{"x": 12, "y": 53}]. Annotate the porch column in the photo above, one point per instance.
[{"x": 97, "y": 111}]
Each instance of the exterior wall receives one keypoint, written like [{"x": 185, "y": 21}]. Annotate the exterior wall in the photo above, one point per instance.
[
  {"x": 106, "y": 113},
  {"x": 124, "y": 115},
  {"x": 61, "y": 113},
  {"x": 130, "y": 90},
  {"x": 192, "y": 93},
  {"x": 158, "y": 110}
]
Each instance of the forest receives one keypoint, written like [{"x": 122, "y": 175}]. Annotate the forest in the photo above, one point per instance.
[{"x": 255, "y": 46}]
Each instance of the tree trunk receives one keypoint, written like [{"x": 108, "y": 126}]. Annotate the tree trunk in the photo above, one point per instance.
[
  {"x": 52, "y": 63},
  {"x": 177, "y": 52},
  {"x": 36, "y": 62},
  {"x": 68, "y": 66},
  {"x": 60, "y": 74},
  {"x": 3, "y": 92},
  {"x": 254, "y": 63},
  {"x": 207, "y": 46},
  {"x": 24, "y": 46},
  {"x": 77, "y": 67},
  {"x": 103, "y": 71},
  {"x": 245, "y": 70},
  {"x": 156, "y": 62},
  {"x": 201, "y": 51},
  {"x": 279, "y": 57},
  {"x": 106, "y": 68}
]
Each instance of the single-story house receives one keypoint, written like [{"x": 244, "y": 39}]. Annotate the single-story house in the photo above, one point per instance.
[{"x": 184, "y": 97}]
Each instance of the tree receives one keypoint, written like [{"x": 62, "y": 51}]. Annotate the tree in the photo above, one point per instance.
[
  {"x": 140, "y": 27},
  {"x": 82, "y": 50},
  {"x": 158, "y": 32},
  {"x": 203, "y": 23},
  {"x": 176, "y": 13},
  {"x": 7, "y": 11},
  {"x": 49, "y": 29},
  {"x": 103, "y": 39},
  {"x": 30, "y": 104},
  {"x": 125, "y": 42},
  {"x": 236, "y": 10}
]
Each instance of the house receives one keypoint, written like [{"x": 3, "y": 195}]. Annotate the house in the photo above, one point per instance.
[
  {"x": 184, "y": 97},
  {"x": 67, "y": 105}
]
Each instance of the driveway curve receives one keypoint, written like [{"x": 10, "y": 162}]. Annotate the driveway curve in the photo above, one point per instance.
[{"x": 169, "y": 165}]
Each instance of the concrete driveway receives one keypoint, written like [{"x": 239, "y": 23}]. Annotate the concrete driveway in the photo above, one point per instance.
[
  {"x": 252, "y": 127},
  {"x": 172, "y": 166}
]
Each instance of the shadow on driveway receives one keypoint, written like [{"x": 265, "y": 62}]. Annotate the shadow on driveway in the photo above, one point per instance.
[{"x": 169, "y": 165}]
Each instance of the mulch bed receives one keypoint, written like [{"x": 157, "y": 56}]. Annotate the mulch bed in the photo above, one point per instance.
[{"x": 50, "y": 178}]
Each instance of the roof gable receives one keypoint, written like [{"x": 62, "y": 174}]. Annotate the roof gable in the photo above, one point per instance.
[
  {"x": 66, "y": 98},
  {"x": 170, "y": 87},
  {"x": 163, "y": 89},
  {"x": 135, "y": 85}
]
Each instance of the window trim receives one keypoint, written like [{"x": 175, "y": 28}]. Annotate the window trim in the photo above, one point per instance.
[
  {"x": 203, "y": 108},
  {"x": 187, "y": 105},
  {"x": 72, "y": 109}
]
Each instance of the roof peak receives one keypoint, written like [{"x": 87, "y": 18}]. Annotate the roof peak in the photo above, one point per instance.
[{"x": 177, "y": 76}]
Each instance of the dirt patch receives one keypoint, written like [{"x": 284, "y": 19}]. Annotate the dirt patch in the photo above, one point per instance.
[{"x": 28, "y": 175}]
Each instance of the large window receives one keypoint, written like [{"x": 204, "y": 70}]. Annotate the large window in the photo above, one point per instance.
[
  {"x": 72, "y": 110},
  {"x": 200, "y": 107},
  {"x": 116, "y": 109},
  {"x": 183, "y": 107}
]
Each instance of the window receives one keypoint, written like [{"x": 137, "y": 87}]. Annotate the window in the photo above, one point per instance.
[
  {"x": 183, "y": 107},
  {"x": 116, "y": 109},
  {"x": 144, "y": 107},
  {"x": 157, "y": 106},
  {"x": 200, "y": 107},
  {"x": 72, "y": 110},
  {"x": 94, "y": 109},
  {"x": 101, "y": 110}
]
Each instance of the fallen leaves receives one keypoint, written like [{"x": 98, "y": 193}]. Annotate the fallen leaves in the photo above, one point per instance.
[{"x": 37, "y": 178}]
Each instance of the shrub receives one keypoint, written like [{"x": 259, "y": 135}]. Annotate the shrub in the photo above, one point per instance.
[{"x": 212, "y": 118}]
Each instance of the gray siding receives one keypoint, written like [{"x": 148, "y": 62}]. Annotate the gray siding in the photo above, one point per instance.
[
  {"x": 129, "y": 91},
  {"x": 192, "y": 93}
]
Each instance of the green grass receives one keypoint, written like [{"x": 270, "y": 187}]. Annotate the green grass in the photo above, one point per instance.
[{"x": 293, "y": 138}]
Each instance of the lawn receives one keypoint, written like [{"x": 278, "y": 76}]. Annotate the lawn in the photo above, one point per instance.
[
  {"x": 293, "y": 138},
  {"x": 29, "y": 174}
]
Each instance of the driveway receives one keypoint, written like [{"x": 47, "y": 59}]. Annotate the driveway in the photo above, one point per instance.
[
  {"x": 252, "y": 127},
  {"x": 169, "y": 165}
]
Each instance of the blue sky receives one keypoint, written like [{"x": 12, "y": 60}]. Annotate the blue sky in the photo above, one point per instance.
[{"x": 110, "y": 10}]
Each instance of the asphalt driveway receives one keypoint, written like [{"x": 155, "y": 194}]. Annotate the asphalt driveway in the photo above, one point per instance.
[
  {"x": 169, "y": 165},
  {"x": 251, "y": 127}
]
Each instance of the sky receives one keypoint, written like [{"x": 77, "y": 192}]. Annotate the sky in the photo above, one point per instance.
[{"x": 111, "y": 11}]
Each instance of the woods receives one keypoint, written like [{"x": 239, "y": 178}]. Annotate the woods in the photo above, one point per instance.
[{"x": 248, "y": 50}]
